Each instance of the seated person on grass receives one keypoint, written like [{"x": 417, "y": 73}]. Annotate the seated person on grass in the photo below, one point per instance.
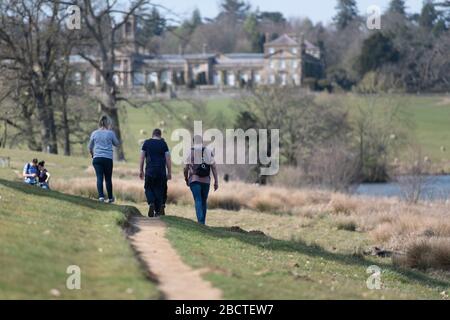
[
  {"x": 31, "y": 172},
  {"x": 44, "y": 176}
]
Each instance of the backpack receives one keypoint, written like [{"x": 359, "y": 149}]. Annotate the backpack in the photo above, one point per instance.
[{"x": 203, "y": 169}]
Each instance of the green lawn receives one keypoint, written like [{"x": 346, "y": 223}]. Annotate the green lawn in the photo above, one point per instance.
[
  {"x": 169, "y": 117},
  {"x": 429, "y": 114},
  {"x": 42, "y": 233},
  {"x": 299, "y": 257},
  {"x": 295, "y": 259}
]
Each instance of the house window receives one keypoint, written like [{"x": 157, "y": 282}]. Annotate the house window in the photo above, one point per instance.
[
  {"x": 294, "y": 64},
  {"x": 283, "y": 64},
  {"x": 231, "y": 81},
  {"x": 257, "y": 77},
  {"x": 283, "y": 79},
  {"x": 272, "y": 64},
  {"x": 272, "y": 79},
  {"x": 294, "y": 50},
  {"x": 128, "y": 28},
  {"x": 271, "y": 50}
]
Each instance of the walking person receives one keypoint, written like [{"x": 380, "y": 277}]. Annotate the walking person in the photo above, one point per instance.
[
  {"x": 197, "y": 174},
  {"x": 101, "y": 149},
  {"x": 155, "y": 153}
]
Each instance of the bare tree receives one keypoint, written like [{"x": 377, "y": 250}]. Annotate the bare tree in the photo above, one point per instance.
[
  {"x": 29, "y": 51},
  {"x": 104, "y": 20},
  {"x": 414, "y": 177}
]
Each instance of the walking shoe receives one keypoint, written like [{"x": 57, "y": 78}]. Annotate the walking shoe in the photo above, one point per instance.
[
  {"x": 151, "y": 211},
  {"x": 162, "y": 211},
  {"x": 112, "y": 200},
  {"x": 101, "y": 200}
]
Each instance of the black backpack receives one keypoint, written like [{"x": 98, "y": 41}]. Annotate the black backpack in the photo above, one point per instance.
[{"x": 203, "y": 169}]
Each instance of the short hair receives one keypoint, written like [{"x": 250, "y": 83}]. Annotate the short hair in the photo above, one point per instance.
[
  {"x": 42, "y": 163},
  {"x": 104, "y": 122},
  {"x": 157, "y": 133},
  {"x": 35, "y": 161}
]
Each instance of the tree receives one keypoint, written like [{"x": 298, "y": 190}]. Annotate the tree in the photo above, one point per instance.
[
  {"x": 377, "y": 50},
  {"x": 196, "y": 19},
  {"x": 103, "y": 25},
  {"x": 234, "y": 9},
  {"x": 251, "y": 28},
  {"x": 275, "y": 16},
  {"x": 304, "y": 124},
  {"x": 149, "y": 25},
  {"x": 428, "y": 15},
  {"x": 347, "y": 12},
  {"x": 397, "y": 6},
  {"x": 380, "y": 128},
  {"x": 30, "y": 48}
]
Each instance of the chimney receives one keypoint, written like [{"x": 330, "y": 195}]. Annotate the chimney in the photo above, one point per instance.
[
  {"x": 205, "y": 47},
  {"x": 302, "y": 42}
]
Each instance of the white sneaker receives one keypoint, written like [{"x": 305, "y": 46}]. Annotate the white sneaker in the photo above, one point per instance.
[
  {"x": 101, "y": 199},
  {"x": 112, "y": 200}
]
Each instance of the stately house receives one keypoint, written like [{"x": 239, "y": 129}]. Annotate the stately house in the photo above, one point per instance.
[{"x": 286, "y": 61}]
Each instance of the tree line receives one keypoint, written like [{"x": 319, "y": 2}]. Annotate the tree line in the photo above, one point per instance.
[
  {"x": 408, "y": 53},
  {"x": 44, "y": 107}
]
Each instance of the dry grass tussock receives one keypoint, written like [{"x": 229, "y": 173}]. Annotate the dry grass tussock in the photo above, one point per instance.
[{"x": 395, "y": 225}]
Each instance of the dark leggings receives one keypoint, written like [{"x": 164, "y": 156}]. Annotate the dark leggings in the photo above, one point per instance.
[{"x": 104, "y": 169}]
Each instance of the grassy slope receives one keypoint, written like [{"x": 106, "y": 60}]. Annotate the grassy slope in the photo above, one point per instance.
[
  {"x": 429, "y": 116},
  {"x": 307, "y": 259},
  {"x": 42, "y": 233},
  {"x": 147, "y": 118}
]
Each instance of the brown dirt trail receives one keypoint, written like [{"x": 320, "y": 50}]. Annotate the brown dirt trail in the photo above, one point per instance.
[{"x": 176, "y": 280}]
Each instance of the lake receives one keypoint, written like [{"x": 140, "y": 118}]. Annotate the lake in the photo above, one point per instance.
[{"x": 437, "y": 188}]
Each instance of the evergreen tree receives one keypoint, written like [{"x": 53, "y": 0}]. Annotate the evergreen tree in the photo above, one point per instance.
[
  {"x": 347, "y": 12},
  {"x": 428, "y": 16},
  {"x": 251, "y": 25},
  {"x": 397, "y": 6},
  {"x": 235, "y": 9},
  {"x": 196, "y": 19},
  {"x": 376, "y": 51}
]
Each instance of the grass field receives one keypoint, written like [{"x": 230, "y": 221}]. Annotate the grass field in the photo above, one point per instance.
[
  {"x": 307, "y": 254},
  {"x": 429, "y": 117},
  {"x": 138, "y": 123},
  {"x": 313, "y": 260},
  {"x": 43, "y": 233}
]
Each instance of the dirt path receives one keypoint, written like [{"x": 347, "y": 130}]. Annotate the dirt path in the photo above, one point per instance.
[{"x": 176, "y": 280}]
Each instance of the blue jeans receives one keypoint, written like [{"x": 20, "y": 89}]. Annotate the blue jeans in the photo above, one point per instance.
[
  {"x": 44, "y": 185},
  {"x": 104, "y": 169},
  {"x": 200, "y": 192}
]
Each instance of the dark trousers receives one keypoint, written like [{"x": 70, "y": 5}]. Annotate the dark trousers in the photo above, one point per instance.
[
  {"x": 155, "y": 191},
  {"x": 200, "y": 192},
  {"x": 164, "y": 200},
  {"x": 104, "y": 169}
]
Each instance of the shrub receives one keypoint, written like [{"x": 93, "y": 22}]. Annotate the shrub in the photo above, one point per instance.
[{"x": 429, "y": 253}]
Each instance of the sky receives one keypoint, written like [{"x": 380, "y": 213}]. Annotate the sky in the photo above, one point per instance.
[{"x": 316, "y": 10}]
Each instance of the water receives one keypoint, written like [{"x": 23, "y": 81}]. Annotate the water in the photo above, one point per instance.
[{"x": 437, "y": 188}]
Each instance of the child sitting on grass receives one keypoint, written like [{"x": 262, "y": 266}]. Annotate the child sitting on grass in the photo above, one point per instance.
[{"x": 44, "y": 176}]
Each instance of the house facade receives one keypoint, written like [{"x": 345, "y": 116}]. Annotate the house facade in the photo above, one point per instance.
[{"x": 286, "y": 61}]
